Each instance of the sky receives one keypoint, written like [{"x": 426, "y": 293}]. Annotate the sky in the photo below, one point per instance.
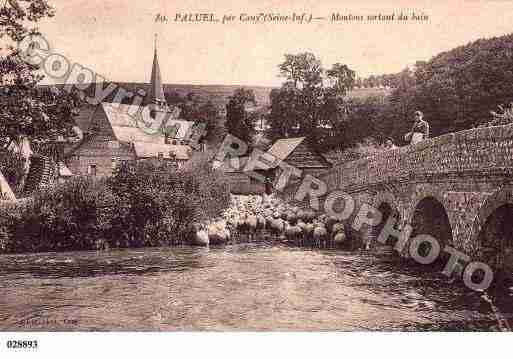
[{"x": 116, "y": 37}]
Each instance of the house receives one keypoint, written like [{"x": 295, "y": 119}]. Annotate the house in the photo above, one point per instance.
[
  {"x": 299, "y": 153},
  {"x": 117, "y": 136},
  {"x": 238, "y": 179},
  {"x": 293, "y": 151},
  {"x": 117, "y": 132}
]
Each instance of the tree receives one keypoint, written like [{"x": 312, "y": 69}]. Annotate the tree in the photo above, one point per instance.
[
  {"x": 238, "y": 122},
  {"x": 209, "y": 115},
  {"x": 193, "y": 109},
  {"x": 41, "y": 115},
  {"x": 343, "y": 78},
  {"x": 312, "y": 102},
  {"x": 303, "y": 70}
]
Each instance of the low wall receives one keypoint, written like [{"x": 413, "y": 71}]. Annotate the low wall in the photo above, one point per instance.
[{"x": 481, "y": 149}]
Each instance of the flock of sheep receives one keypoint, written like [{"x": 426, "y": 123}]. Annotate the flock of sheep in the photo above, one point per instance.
[{"x": 255, "y": 217}]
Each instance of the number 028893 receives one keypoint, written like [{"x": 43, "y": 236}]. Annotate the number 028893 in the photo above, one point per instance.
[{"x": 22, "y": 344}]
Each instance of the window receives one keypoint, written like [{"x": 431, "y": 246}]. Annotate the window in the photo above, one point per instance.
[
  {"x": 160, "y": 156},
  {"x": 91, "y": 170}
]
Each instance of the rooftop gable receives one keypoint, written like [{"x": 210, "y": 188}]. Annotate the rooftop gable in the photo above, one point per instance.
[
  {"x": 130, "y": 125},
  {"x": 282, "y": 148}
]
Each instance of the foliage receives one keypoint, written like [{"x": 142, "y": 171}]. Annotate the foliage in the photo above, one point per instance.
[
  {"x": 312, "y": 102},
  {"x": 68, "y": 216},
  {"x": 40, "y": 115},
  {"x": 157, "y": 204},
  {"x": 455, "y": 90},
  {"x": 192, "y": 109},
  {"x": 303, "y": 69},
  {"x": 239, "y": 122},
  {"x": 12, "y": 167},
  {"x": 367, "y": 147},
  {"x": 143, "y": 204}
]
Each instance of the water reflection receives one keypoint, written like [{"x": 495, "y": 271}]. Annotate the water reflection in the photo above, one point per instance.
[{"x": 238, "y": 287}]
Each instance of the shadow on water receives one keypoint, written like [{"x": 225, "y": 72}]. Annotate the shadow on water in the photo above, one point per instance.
[{"x": 103, "y": 263}]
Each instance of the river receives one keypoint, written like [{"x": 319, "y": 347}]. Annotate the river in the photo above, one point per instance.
[{"x": 237, "y": 287}]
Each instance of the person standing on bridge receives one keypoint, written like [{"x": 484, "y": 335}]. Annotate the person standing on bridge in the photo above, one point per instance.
[
  {"x": 419, "y": 131},
  {"x": 389, "y": 144}
]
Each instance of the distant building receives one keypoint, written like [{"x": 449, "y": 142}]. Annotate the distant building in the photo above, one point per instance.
[
  {"x": 117, "y": 137},
  {"x": 298, "y": 153},
  {"x": 293, "y": 151},
  {"x": 115, "y": 133}
]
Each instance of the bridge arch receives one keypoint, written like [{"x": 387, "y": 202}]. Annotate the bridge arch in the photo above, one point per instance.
[
  {"x": 388, "y": 205},
  {"x": 385, "y": 197},
  {"x": 492, "y": 230},
  {"x": 422, "y": 192},
  {"x": 428, "y": 214}
]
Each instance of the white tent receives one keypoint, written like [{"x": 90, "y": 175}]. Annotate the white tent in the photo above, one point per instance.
[{"x": 5, "y": 189}]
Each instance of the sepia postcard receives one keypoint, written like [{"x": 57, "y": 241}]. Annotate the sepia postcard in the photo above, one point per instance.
[{"x": 254, "y": 166}]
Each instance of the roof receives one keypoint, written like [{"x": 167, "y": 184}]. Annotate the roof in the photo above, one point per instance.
[
  {"x": 22, "y": 148},
  {"x": 156, "y": 88},
  {"x": 129, "y": 123},
  {"x": 5, "y": 189},
  {"x": 84, "y": 116},
  {"x": 282, "y": 148},
  {"x": 152, "y": 150},
  {"x": 64, "y": 170}
]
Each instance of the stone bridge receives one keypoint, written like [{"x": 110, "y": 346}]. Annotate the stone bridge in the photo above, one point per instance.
[{"x": 457, "y": 187}]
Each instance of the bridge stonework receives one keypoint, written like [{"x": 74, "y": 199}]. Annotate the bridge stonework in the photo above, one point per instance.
[{"x": 450, "y": 185}]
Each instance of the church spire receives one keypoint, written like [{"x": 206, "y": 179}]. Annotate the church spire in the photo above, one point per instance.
[{"x": 156, "y": 95}]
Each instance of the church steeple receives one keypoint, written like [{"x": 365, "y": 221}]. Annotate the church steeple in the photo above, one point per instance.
[{"x": 156, "y": 95}]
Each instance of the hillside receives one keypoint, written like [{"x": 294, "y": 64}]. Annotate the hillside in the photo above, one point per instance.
[{"x": 218, "y": 94}]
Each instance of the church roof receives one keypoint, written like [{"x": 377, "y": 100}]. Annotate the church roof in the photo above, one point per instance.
[
  {"x": 129, "y": 124},
  {"x": 156, "y": 95}
]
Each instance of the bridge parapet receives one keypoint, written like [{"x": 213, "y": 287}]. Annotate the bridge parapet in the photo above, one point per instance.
[{"x": 484, "y": 149}]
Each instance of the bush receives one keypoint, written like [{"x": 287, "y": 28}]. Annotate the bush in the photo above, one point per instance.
[
  {"x": 157, "y": 203},
  {"x": 143, "y": 204},
  {"x": 68, "y": 216},
  {"x": 367, "y": 148}
]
